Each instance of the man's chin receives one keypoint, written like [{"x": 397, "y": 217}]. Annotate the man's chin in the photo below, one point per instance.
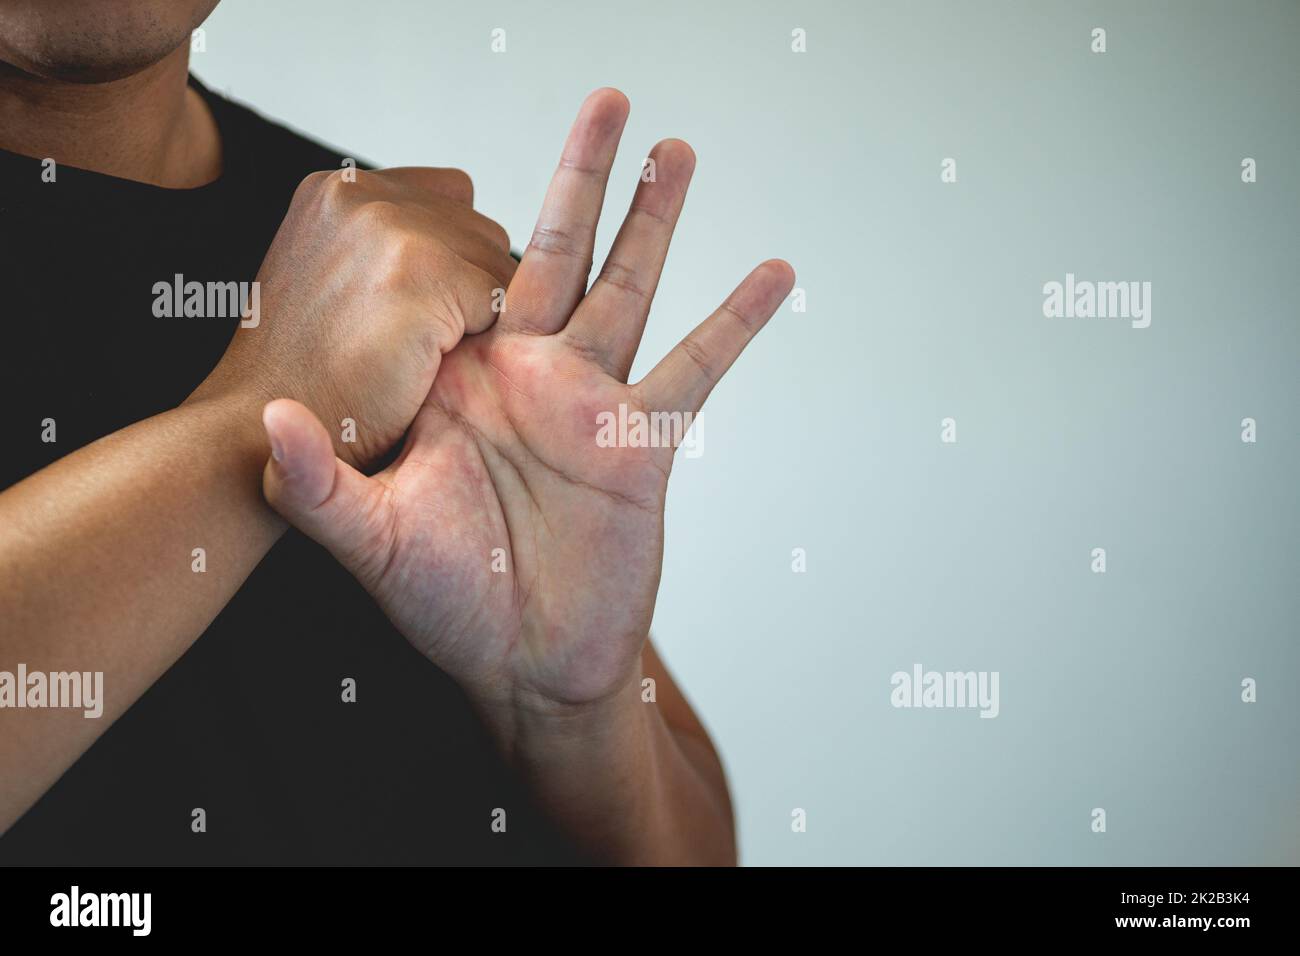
[
  {"x": 81, "y": 71},
  {"x": 89, "y": 43}
]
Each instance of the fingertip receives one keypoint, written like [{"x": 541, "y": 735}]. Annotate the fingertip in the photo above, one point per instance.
[
  {"x": 273, "y": 421},
  {"x": 764, "y": 288},
  {"x": 779, "y": 271},
  {"x": 605, "y": 110},
  {"x": 298, "y": 440},
  {"x": 274, "y": 411},
  {"x": 777, "y": 279},
  {"x": 609, "y": 97},
  {"x": 676, "y": 155}
]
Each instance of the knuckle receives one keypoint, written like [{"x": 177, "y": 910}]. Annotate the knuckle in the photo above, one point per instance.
[
  {"x": 380, "y": 215},
  {"x": 403, "y": 254},
  {"x": 561, "y": 242},
  {"x": 498, "y": 232},
  {"x": 699, "y": 355},
  {"x": 746, "y": 321},
  {"x": 333, "y": 185},
  {"x": 584, "y": 348},
  {"x": 457, "y": 181},
  {"x": 479, "y": 299},
  {"x": 621, "y": 276},
  {"x": 445, "y": 325},
  {"x": 314, "y": 180},
  {"x": 328, "y": 191},
  {"x": 310, "y": 186}
]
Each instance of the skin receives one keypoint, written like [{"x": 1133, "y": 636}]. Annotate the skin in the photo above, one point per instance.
[
  {"x": 100, "y": 84},
  {"x": 503, "y": 455},
  {"x": 500, "y": 453}
]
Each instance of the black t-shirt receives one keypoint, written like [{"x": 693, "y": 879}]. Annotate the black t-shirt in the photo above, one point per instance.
[{"x": 250, "y": 724}]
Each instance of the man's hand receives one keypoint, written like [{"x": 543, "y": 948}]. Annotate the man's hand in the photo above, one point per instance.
[
  {"x": 372, "y": 277},
  {"x": 511, "y": 548}
]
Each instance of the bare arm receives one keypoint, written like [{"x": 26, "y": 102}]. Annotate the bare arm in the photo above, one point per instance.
[
  {"x": 693, "y": 741},
  {"x": 96, "y": 571}
]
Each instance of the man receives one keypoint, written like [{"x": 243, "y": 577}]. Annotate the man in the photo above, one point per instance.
[{"x": 401, "y": 392}]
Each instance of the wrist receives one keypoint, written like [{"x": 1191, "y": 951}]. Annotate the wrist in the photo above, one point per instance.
[
  {"x": 595, "y": 768},
  {"x": 234, "y": 418},
  {"x": 231, "y": 425},
  {"x": 614, "y": 775},
  {"x": 530, "y": 727}
]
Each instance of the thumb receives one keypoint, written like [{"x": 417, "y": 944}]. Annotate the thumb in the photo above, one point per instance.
[{"x": 325, "y": 498}]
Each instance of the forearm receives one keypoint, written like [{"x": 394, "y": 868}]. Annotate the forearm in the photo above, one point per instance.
[
  {"x": 98, "y": 573},
  {"x": 621, "y": 781}
]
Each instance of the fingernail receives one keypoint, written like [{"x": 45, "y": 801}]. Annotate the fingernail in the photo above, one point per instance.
[{"x": 277, "y": 452}]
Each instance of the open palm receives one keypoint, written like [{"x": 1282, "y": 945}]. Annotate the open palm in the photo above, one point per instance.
[{"x": 513, "y": 548}]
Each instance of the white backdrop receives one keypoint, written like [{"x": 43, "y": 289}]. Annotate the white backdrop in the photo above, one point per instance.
[{"x": 1119, "y": 691}]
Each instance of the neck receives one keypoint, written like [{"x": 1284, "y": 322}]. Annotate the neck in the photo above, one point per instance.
[{"x": 149, "y": 127}]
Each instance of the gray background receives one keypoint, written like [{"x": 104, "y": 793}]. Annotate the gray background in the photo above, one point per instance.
[{"x": 1119, "y": 690}]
